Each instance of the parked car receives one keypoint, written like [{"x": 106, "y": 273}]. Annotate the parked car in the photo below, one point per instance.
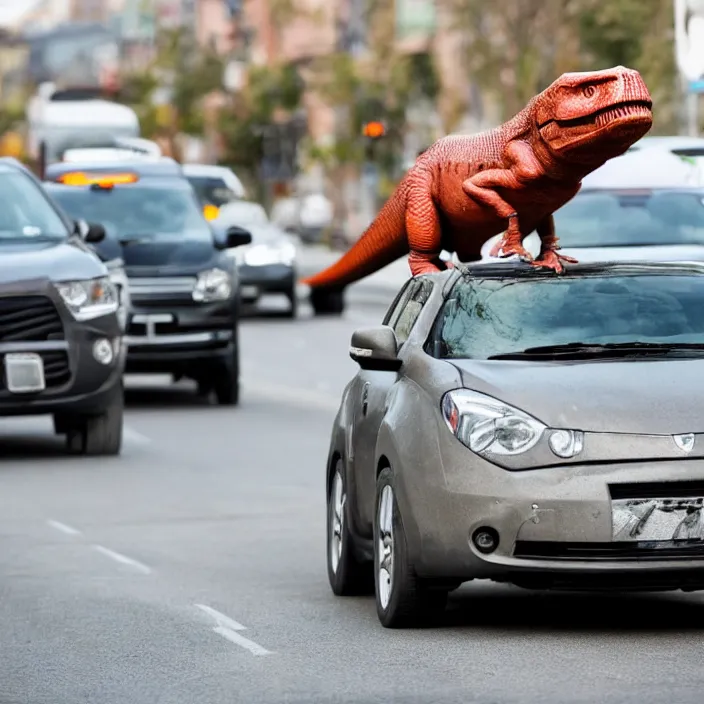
[
  {"x": 214, "y": 185},
  {"x": 645, "y": 206},
  {"x": 267, "y": 265},
  {"x": 61, "y": 342},
  {"x": 184, "y": 288},
  {"x": 677, "y": 144},
  {"x": 513, "y": 425}
]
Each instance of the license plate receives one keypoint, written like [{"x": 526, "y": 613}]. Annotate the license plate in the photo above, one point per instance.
[
  {"x": 249, "y": 291},
  {"x": 658, "y": 519},
  {"x": 24, "y": 373}
]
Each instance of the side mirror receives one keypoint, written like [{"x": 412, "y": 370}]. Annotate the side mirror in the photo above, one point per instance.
[
  {"x": 237, "y": 236},
  {"x": 95, "y": 233},
  {"x": 375, "y": 349}
]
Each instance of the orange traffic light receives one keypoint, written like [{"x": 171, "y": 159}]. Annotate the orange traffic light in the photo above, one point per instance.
[{"x": 374, "y": 130}]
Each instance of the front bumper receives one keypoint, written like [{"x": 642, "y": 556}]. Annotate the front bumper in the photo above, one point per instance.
[
  {"x": 175, "y": 338},
  {"x": 75, "y": 381},
  {"x": 555, "y": 525},
  {"x": 256, "y": 281}
]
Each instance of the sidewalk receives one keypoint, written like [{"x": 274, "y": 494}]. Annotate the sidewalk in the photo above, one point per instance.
[{"x": 384, "y": 283}]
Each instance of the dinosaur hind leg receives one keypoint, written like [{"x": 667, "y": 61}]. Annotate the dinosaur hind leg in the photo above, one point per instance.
[
  {"x": 423, "y": 231},
  {"x": 549, "y": 257},
  {"x": 512, "y": 242}
]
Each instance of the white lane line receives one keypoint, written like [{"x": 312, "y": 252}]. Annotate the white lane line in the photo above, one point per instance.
[
  {"x": 123, "y": 559},
  {"x": 305, "y": 398},
  {"x": 227, "y": 628},
  {"x": 63, "y": 527},
  {"x": 134, "y": 436}
]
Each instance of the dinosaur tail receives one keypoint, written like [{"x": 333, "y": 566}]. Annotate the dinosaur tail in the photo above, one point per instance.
[{"x": 383, "y": 242}]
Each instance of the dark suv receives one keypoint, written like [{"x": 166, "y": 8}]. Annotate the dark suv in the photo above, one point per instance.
[
  {"x": 61, "y": 346},
  {"x": 184, "y": 289}
]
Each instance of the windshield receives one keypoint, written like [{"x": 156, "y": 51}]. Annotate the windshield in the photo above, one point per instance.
[
  {"x": 136, "y": 211},
  {"x": 489, "y": 317},
  {"x": 212, "y": 190},
  {"x": 613, "y": 219},
  {"x": 25, "y": 211}
]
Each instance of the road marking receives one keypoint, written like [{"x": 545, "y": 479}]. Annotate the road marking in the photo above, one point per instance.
[
  {"x": 135, "y": 437},
  {"x": 292, "y": 394},
  {"x": 123, "y": 559},
  {"x": 227, "y": 628},
  {"x": 63, "y": 527}
]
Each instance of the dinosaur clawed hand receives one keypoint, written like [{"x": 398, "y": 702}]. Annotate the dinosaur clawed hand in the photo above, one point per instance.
[{"x": 550, "y": 259}]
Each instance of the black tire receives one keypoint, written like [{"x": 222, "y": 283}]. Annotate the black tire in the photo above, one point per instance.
[
  {"x": 327, "y": 301},
  {"x": 293, "y": 302},
  {"x": 348, "y": 576},
  {"x": 61, "y": 424},
  {"x": 410, "y": 602},
  {"x": 226, "y": 381},
  {"x": 99, "y": 434}
]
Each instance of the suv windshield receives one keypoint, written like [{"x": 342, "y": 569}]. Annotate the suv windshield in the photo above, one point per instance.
[
  {"x": 212, "y": 190},
  {"x": 488, "y": 317},
  {"x": 630, "y": 219},
  {"x": 25, "y": 211},
  {"x": 136, "y": 211}
]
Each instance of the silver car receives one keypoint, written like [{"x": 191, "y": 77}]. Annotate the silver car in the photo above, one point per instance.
[{"x": 514, "y": 425}]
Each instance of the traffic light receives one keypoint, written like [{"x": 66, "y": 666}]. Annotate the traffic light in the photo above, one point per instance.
[{"x": 374, "y": 129}]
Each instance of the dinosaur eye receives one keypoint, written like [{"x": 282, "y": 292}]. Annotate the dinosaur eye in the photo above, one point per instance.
[{"x": 589, "y": 91}]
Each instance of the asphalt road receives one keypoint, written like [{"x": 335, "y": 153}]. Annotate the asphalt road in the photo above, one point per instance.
[{"x": 192, "y": 569}]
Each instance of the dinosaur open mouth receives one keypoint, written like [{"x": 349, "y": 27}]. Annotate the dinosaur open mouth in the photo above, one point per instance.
[{"x": 630, "y": 109}]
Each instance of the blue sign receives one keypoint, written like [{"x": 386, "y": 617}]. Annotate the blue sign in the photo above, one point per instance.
[{"x": 696, "y": 86}]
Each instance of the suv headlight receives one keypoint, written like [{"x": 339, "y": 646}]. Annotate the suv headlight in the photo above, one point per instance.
[
  {"x": 488, "y": 426},
  {"x": 263, "y": 254},
  {"x": 89, "y": 299},
  {"x": 212, "y": 285}
]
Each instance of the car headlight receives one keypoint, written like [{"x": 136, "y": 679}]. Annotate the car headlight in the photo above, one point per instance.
[
  {"x": 263, "y": 254},
  {"x": 89, "y": 299},
  {"x": 488, "y": 426},
  {"x": 212, "y": 285}
]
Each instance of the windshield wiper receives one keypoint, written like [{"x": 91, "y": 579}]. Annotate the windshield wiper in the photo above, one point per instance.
[{"x": 596, "y": 349}]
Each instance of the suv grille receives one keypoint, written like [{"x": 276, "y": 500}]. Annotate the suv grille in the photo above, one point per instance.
[{"x": 29, "y": 319}]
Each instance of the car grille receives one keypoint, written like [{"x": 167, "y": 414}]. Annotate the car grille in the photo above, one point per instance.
[
  {"x": 57, "y": 371},
  {"x": 167, "y": 289},
  {"x": 29, "y": 319},
  {"x": 616, "y": 551}
]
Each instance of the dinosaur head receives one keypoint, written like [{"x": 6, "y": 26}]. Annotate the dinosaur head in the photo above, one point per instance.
[{"x": 593, "y": 116}]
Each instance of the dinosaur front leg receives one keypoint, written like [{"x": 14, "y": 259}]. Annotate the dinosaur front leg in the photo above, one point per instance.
[
  {"x": 480, "y": 188},
  {"x": 548, "y": 257},
  {"x": 423, "y": 231}
]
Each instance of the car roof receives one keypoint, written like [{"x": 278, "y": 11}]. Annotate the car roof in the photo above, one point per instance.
[
  {"x": 164, "y": 167},
  {"x": 503, "y": 269}
]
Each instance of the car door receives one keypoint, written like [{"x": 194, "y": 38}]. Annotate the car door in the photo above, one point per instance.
[{"x": 370, "y": 407}]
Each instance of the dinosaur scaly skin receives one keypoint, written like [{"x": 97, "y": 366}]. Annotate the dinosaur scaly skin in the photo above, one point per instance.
[{"x": 465, "y": 189}]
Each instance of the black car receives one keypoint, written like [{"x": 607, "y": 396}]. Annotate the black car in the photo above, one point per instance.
[
  {"x": 184, "y": 289},
  {"x": 61, "y": 345}
]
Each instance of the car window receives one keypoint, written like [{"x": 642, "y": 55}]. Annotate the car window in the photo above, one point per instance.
[
  {"x": 397, "y": 306},
  {"x": 212, "y": 190},
  {"x": 25, "y": 210},
  {"x": 137, "y": 210},
  {"x": 411, "y": 310},
  {"x": 487, "y": 317},
  {"x": 617, "y": 219}
]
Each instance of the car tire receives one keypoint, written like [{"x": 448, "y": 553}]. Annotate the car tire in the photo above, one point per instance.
[
  {"x": 402, "y": 598},
  {"x": 327, "y": 301},
  {"x": 97, "y": 434},
  {"x": 346, "y": 574},
  {"x": 61, "y": 424},
  {"x": 226, "y": 381},
  {"x": 293, "y": 302}
]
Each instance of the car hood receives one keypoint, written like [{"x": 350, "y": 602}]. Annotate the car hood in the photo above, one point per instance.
[
  {"x": 64, "y": 260},
  {"x": 169, "y": 253},
  {"x": 649, "y": 396}
]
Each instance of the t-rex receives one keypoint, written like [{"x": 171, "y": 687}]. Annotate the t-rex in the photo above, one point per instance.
[{"x": 465, "y": 189}]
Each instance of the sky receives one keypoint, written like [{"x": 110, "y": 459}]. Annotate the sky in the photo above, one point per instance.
[{"x": 12, "y": 10}]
